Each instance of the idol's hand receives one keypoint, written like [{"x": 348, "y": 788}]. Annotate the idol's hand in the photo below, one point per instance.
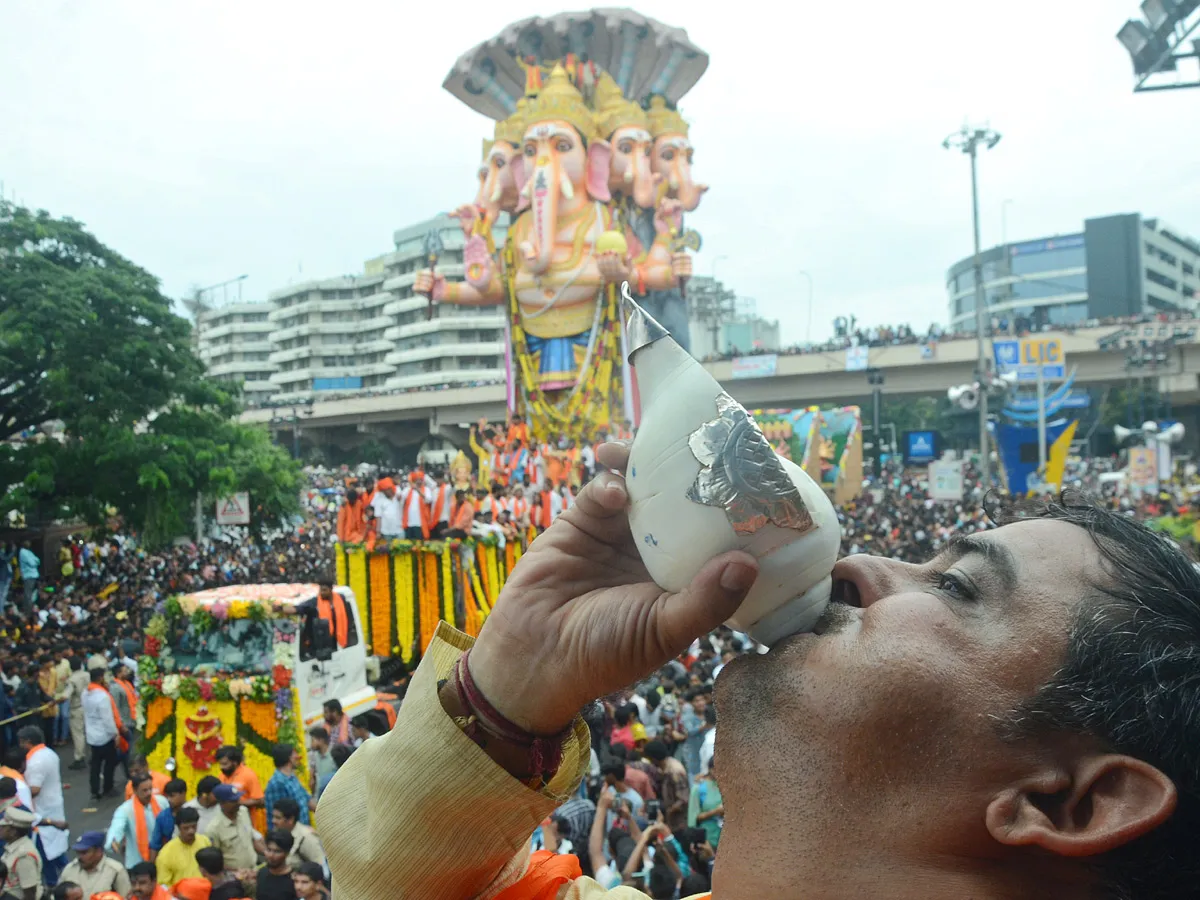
[{"x": 580, "y": 616}]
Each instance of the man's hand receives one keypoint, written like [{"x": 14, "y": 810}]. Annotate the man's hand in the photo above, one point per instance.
[{"x": 580, "y": 617}]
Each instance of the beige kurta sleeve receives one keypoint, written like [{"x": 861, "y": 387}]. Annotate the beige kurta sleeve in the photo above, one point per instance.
[{"x": 422, "y": 812}]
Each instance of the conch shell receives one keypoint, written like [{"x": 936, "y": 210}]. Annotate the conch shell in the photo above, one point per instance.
[{"x": 704, "y": 480}]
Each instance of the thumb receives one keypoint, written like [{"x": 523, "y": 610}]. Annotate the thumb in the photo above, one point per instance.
[{"x": 713, "y": 596}]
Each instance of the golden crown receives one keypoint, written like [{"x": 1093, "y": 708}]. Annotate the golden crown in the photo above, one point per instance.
[
  {"x": 613, "y": 111},
  {"x": 664, "y": 120},
  {"x": 512, "y": 129},
  {"x": 559, "y": 101}
]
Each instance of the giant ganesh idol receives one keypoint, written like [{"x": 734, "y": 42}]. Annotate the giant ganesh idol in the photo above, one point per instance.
[{"x": 576, "y": 99}]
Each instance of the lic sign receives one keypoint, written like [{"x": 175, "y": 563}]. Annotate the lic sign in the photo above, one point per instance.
[{"x": 1025, "y": 355}]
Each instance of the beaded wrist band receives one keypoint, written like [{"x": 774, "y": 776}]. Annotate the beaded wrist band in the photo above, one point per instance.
[{"x": 483, "y": 721}]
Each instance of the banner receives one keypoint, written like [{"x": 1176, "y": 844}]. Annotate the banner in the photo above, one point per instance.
[
  {"x": 762, "y": 366},
  {"x": 946, "y": 480},
  {"x": 920, "y": 447},
  {"x": 857, "y": 358},
  {"x": 1143, "y": 471}
]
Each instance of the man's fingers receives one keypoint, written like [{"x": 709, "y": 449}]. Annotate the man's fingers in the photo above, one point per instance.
[
  {"x": 613, "y": 455},
  {"x": 713, "y": 596},
  {"x": 599, "y": 510}
]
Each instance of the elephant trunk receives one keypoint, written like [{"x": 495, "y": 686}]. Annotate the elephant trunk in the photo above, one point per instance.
[
  {"x": 686, "y": 191},
  {"x": 644, "y": 184},
  {"x": 544, "y": 190}
]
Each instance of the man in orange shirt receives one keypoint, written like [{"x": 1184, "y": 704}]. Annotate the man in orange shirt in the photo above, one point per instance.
[
  {"x": 331, "y": 606},
  {"x": 351, "y": 521},
  {"x": 235, "y": 771},
  {"x": 464, "y": 516}
]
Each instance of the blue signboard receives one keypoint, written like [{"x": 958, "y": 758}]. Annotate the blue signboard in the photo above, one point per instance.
[
  {"x": 1059, "y": 243},
  {"x": 348, "y": 383},
  {"x": 920, "y": 447},
  {"x": 1022, "y": 355}
]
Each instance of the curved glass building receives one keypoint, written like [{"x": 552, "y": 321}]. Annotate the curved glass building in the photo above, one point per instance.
[{"x": 1116, "y": 266}]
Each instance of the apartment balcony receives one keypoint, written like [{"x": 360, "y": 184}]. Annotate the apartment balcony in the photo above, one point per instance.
[
  {"x": 431, "y": 379},
  {"x": 442, "y": 351},
  {"x": 241, "y": 367},
  {"x": 376, "y": 346},
  {"x": 377, "y": 323},
  {"x": 447, "y": 321}
]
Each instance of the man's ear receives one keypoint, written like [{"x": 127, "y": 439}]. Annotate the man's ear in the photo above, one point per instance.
[{"x": 1103, "y": 802}]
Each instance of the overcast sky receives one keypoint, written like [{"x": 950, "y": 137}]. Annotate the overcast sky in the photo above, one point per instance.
[{"x": 289, "y": 140}]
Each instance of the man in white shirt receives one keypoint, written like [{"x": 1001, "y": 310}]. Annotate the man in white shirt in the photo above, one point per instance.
[
  {"x": 413, "y": 500},
  {"x": 385, "y": 509},
  {"x": 205, "y": 802},
  {"x": 101, "y": 731},
  {"x": 44, "y": 777}
]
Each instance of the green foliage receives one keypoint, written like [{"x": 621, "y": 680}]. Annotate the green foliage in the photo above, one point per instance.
[
  {"x": 915, "y": 414},
  {"x": 88, "y": 342}
]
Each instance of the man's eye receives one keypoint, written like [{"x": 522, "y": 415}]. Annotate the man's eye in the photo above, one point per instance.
[{"x": 954, "y": 586}]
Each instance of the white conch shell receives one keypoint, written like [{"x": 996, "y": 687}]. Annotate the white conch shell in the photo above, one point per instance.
[{"x": 703, "y": 480}]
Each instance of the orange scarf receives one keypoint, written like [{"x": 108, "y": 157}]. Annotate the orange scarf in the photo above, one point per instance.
[
  {"x": 33, "y": 750},
  {"x": 139, "y": 824},
  {"x": 122, "y": 743},
  {"x": 546, "y": 509},
  {"x": 6, "y": 772},
  {"x": 431, "y": 514},
  {"x": 414, "y": 494},
  {"x": 547, "y": 873},
  {"x": 131, "y": 696}
]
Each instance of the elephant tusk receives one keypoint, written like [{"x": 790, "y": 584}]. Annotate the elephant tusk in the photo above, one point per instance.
[
  {"x": 673, "y": 182},
  {"x": 496, "y": 192},
  {"x": 628, "y": 176},
  {"x": 568, "y": 189}
]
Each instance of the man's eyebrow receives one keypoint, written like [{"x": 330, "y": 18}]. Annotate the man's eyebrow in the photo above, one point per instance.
[{"x": 963, "y": 545}]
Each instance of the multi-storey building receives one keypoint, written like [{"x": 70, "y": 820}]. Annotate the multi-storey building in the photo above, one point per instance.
[
  {"x": 234, "y": 344},
  {"x": 369, "y": 332},
  {"x": 1119, "y": 265}
]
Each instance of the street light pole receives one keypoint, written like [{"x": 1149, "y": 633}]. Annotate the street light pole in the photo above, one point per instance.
[{"x": 968, "y": 140}]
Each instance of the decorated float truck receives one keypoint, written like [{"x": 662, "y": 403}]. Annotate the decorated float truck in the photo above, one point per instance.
[{"x": 250, "y": 665}]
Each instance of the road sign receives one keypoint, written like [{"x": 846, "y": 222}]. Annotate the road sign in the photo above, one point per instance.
[
  {"x": 1022, "y": 356},
  {"x": 234, "y": 510}
]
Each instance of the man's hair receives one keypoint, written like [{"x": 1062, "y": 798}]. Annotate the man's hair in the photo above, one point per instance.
[
  {"x": 140, "y": 778},
  {"x": 187, "y": 815},
  {"x": 8, "y": 788},
  {"x": 334, "y": 706},
  {"x": 656, "y": 750},
  {"x": 661, "y": 882},
  {"x": 175, "y": 786},
  {"x": 340, "y": 753},
  {"x": 281, "y": 754},
  {"x": 144, "y": 868},
  {"x": 319, "y": 733},
  {"x": 210, "y": 860},
  {"x": 615, "y": 768},
  {"x": 207, "y": 784},
  {"x": 282, "y": 839},
  {"x": 622, "y": 714},
  {"x": 231, "y": 752},
  {"x": 311, "y": 871},
  {"x": 75, "y": 663},
  {"x": 288, "y": 808},
  {"x": 31, "y": 734},
  {"x": 97, "y": 676},
  {"x": 1130, "y": 680},
  {"x": 61, "y": 890}
]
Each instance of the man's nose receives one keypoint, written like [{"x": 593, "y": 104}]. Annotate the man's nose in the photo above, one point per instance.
[{"x": 873, "y": 578}]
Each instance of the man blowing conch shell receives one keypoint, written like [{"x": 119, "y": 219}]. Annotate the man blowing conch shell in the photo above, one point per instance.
[{"x": 1013, "y": 719}]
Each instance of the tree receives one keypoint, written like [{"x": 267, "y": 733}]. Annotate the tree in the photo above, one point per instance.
[{"x": 89, "y": 342}]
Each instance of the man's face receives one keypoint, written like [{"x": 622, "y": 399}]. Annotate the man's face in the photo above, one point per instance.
[
  {"x": 325, "y": 592},
  {"x": 331, "y": 717},
  {"x": 881, "y": 730},
  {"x": 91, "y": 857},
  {"x": 294, "y": 761},
  {"x": 699, "y": 704},
  {"x": 227, "y": 764},
  {"x": 305, "y": 887},
  {"x": 276, "y": 856},
  {"x": 143, "y": 791},
  {"x": 230, "y": 808},
  {"x": 143, "y": 886},
  {"x": 187, "y": 832}
]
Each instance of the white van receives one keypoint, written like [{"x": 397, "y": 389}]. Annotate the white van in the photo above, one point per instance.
[{"x": 321, "y": 670}]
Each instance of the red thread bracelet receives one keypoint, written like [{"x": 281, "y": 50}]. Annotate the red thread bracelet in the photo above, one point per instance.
[{"x": 545, "y": 751}]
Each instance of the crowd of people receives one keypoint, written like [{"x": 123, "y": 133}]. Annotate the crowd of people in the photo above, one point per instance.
[{"x": 71, "y": 625}]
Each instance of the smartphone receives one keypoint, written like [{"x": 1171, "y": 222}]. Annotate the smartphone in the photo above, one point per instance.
[{"x": 653, "y": 808}]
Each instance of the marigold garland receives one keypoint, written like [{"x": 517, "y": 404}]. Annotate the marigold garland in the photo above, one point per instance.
[
  {"x": 448, "y": 589},
  {"x": 158, "y": 711},
  {"x": 403, "y": 601},
  {"x": 381, "y": 603}
]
